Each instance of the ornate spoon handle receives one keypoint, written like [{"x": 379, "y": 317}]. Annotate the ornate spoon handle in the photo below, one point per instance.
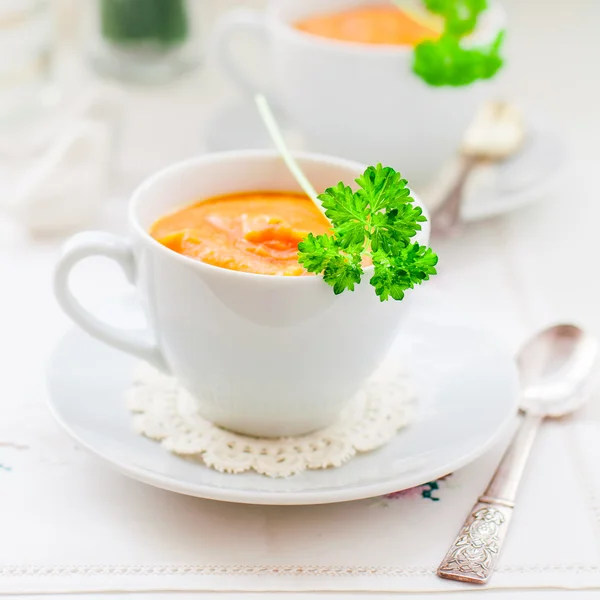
[
  {"x": 472, "y": 558},
  {"x": 473, "y": 555}
]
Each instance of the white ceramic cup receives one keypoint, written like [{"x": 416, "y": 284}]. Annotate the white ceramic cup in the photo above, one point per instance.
[
  {"x": 360, "y": 101},
  {"x": 264, "y": 355}
]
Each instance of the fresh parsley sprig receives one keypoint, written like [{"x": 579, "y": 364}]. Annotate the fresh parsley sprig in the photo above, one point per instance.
[
  {"x": 444, "y": 61},
  {"x": 377, "y": 221}
]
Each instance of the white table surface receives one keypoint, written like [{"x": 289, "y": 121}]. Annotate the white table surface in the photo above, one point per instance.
[{"x": 510, "y": 275}]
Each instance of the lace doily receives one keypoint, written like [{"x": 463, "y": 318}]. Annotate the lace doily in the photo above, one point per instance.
[{"x": 164, "y": 411}]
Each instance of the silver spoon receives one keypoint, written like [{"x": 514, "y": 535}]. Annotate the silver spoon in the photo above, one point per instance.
[
  {"x": 496, "y": 133},
  {"x": 557, "y": 370}
]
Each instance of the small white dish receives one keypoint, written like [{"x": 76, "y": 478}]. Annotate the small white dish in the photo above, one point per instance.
[
  {"x": 468, "y": 391},
  {"x": 493, "y": 190}
]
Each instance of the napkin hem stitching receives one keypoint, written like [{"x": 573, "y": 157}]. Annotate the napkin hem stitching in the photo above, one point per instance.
[{"x": 284, "y": 570}]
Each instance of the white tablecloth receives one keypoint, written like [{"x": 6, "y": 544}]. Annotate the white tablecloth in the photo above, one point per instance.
[
  {"x": 90, "y": 529},
  {"x": 510, "y": 275}
]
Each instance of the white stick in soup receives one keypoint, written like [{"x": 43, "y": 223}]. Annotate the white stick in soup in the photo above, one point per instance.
[{"x": 271, "y": 124}]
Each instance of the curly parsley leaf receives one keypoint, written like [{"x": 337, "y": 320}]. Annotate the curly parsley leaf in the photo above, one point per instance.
[
  {"x": 445, "y": 61},
  {"x": 409, "y": 267},
  {"x": 346, "y": 211},
  {"x": 377, "y": 222},
  {"x": 460, "y": 15},
  {"x": 382, "y": 186},
  {"x": 324, "y": 254}
]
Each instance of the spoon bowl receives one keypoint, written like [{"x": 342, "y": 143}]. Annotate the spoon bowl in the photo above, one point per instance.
[{"x": 557, "y": 370}]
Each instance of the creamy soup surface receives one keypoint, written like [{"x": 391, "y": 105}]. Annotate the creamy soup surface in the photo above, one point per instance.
[
  {"x": 372, "y": 24},
  {"x": 256, "y": 232}
]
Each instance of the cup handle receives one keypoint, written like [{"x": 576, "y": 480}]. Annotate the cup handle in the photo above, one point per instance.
[
  {"x": 228, "y": 27},
  {"x": 92, "y": 243}
]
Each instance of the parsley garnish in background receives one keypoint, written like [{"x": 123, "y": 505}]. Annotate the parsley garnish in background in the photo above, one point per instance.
[
  {"x": 377, "y": 221},
  {"x": 444, "y": 61}
]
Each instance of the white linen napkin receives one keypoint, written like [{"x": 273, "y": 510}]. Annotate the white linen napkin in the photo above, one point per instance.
[
  {"x": 54, "y": 167},
  {"x": 70, "y": 524}
]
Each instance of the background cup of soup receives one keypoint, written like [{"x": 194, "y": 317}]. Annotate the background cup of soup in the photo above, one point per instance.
[
  {"x": 264, "y": 355},
  {"x": 353, "y": 99}
]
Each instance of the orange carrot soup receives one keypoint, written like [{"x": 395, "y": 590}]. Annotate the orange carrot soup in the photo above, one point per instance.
[
  {"x": 369, "y": 25},
  {"x": 256, "y": 232}
]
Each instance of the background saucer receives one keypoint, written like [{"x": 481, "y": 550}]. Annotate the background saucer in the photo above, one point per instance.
[{"x": 524, "y": 178}]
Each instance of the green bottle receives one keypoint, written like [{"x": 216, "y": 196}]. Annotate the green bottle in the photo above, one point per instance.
[{"x": 160, "y": 24}]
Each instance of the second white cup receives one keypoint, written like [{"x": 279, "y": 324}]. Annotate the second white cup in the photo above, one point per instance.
[{"x": 359, "y": 101}]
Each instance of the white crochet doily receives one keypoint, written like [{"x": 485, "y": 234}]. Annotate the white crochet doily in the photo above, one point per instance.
[{"x": 164, "y": 411}]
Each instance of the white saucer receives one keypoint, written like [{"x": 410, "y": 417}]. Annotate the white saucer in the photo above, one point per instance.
[
  {"x": 467, "y": 401},
  {"x": 524, "y": 178}
]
